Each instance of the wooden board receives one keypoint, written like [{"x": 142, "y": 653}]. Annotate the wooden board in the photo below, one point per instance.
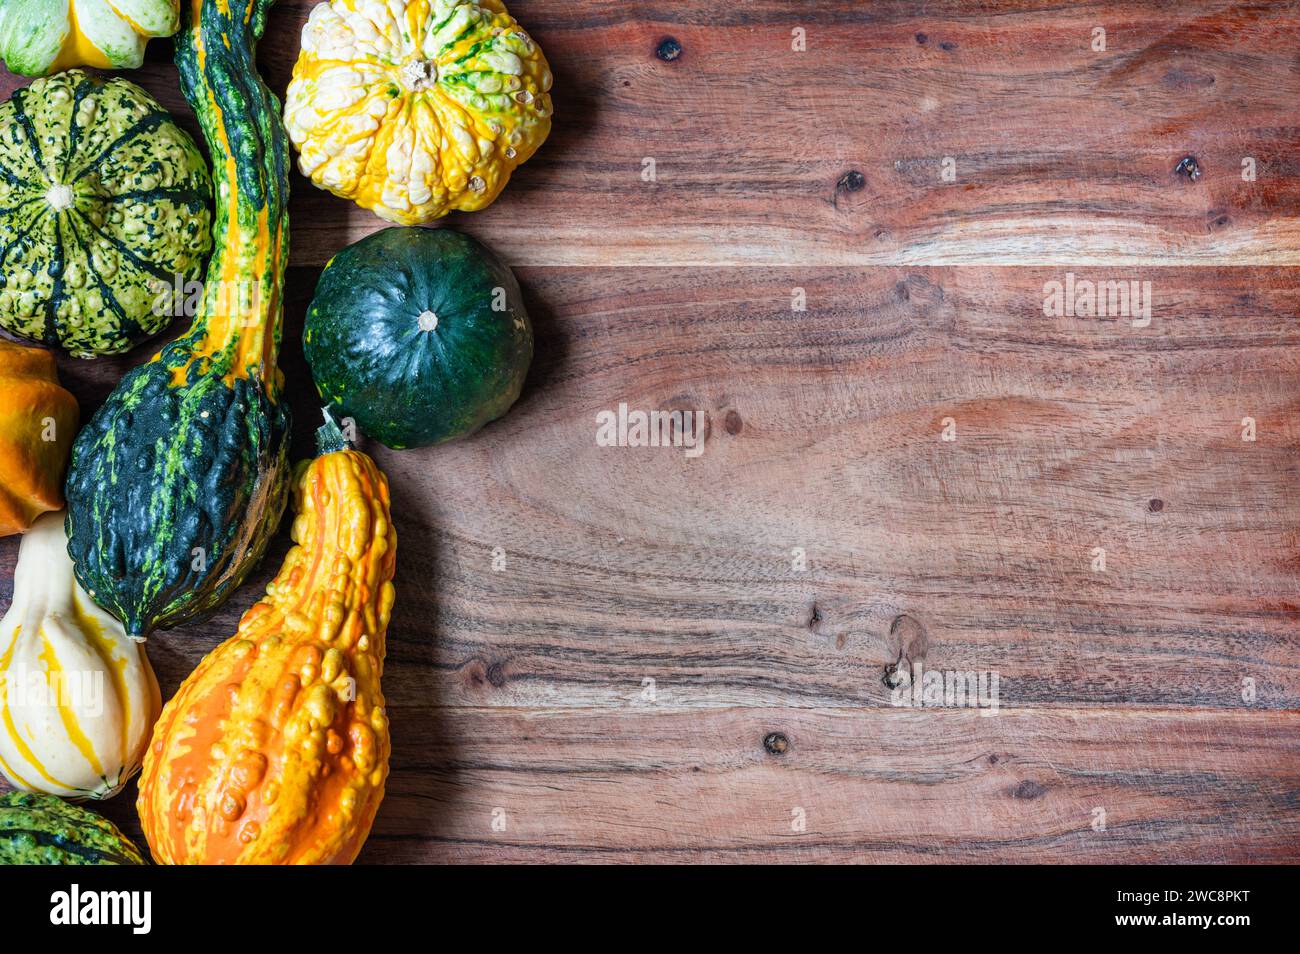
[
  {"x": 623, "y": 565},
  {"x": 651, "y": 673},
  {"x": 864, "y": 786},
  {"x": 835, "y": 155}
]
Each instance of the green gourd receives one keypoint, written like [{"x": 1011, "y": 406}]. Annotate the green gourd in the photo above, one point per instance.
[
  {"x": 38, "y": 829},
  {"x": 180, "y": 478},
  {"x": 104, "y": 210},
  {"x": 418, "y": 335}
]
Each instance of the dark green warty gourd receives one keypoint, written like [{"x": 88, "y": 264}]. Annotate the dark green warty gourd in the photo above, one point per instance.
[
  {"x": 37, "y": 829},
  {"x": 179, "y": 480}
]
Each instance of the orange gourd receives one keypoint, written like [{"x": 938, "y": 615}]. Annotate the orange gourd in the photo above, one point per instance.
[
  {"x": 38, "y": 420},
  {"x": 275, "y": 749}
]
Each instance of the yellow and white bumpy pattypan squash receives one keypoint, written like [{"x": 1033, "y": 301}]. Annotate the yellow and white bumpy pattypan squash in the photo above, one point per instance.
[
  {"x": 78, "y": 699},
  {"x": 412, "y": 108},
  {"x": 38, "y": 37}
]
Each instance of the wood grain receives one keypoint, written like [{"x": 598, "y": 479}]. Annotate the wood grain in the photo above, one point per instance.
[
  {"x": 879, "y": 786},
  {"x": 628, "y": 564},
  {"x": 834, "y": 155},
  {"x": 660, "y": 785},
  {"x": 823, "y": 432}
]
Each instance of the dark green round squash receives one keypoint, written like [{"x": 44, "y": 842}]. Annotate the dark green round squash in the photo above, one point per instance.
[
  {"x": 419, "y": 335},
  {"x": 40, "y": 829}
]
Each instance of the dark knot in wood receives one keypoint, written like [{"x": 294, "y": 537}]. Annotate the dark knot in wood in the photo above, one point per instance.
[
  {"x": 668, "y": 49},
  {"x": 776, "y": 743},
  {"x": 1028, "y": 789},
  {"x": 851, "y": 181}
]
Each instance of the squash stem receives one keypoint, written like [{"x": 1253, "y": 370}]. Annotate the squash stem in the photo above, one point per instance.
[{"x": 329, "y": 437}]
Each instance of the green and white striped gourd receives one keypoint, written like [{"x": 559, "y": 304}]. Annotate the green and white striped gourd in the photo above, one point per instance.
[{"x": 104, "y": 206}]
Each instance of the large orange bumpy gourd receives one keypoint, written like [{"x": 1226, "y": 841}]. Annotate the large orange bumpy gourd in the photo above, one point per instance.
[{"x": 275, "y": 750}]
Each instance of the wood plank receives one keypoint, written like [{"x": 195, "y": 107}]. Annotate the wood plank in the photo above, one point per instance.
[
  {"x": 823, "y": 432},
  {"x": 649, "y": 785},
  {"x": 834, "y": 155},
  {"x": 525, "y": 688}
]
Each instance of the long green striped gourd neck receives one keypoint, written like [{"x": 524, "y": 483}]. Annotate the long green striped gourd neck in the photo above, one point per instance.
[{"x": 237, "y": 328}]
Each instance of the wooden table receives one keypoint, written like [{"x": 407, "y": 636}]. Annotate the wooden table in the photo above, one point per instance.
[{"x": 686, "y": 659}]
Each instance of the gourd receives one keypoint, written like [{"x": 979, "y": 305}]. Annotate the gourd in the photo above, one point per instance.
[
  {"x": 45, "y": 36},
  {"x": 38, "y": 420},
  {"x": 77, "y": 697},
  {"x": 181, "y": 476},
  {"x": 419, "y": 335},
  {"x": 40, "y": 829},
  {"x": 416, "y": 107},
  {"x": 104, "y": 210},
  {"x": 275, "y": 749}
]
